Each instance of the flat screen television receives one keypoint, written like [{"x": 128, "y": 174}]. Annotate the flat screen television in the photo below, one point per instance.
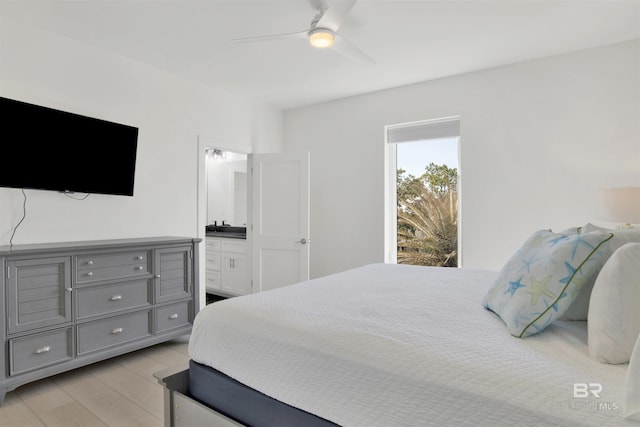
[{"x": 47, "y": 149}]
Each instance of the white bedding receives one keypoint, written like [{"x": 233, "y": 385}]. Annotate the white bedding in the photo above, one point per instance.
[{"x": 393, "y": 345}]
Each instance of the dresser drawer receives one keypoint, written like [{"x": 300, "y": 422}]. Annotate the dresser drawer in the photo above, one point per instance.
[
  {"x": 95, "y": 267},
  {"x": 104, "y": 299},
  {"x": 172, "y": 316},
  {"x": 113, "y": 331},
  {"x": 38, "y": 351}
]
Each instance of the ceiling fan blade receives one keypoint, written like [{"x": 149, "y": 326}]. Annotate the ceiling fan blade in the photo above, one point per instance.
[
  {"x": 335, "y": 14},
  {"x": 348, "y": 49},
  {"x": 298, "y": 35}
]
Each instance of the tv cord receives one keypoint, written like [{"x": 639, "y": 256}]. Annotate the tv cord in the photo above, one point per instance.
[
  {"x": 24, "y": 215},
  {"x": 24, "y": 211},
  {"x": 69, "y": 195}
]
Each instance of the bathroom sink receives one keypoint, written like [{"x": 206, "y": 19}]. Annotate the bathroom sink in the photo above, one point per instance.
[
  {"x": 227, "y": 235},
  {"x": 227, "y": 231}
]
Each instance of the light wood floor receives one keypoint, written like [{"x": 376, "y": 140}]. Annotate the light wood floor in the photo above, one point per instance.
[{"x": 118, "y": 392}]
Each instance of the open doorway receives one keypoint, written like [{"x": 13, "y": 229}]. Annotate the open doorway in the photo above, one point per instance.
[
  {"x": 228, "y": 271},
  {"x": 276, "y": 198},
  {"x": 421, "y": 193},
  {"x": 225, "y": 268}
]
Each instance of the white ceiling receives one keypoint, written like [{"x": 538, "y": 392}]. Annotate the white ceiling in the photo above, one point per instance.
[{"x": 412, "y": 41}]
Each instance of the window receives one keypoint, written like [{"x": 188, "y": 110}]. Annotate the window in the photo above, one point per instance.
[{"x": 421, "y": 202}]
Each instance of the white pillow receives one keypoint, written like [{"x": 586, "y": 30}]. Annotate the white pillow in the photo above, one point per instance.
[
  {"x": 621, "y": 236},
  {"x": 580, "y": 307},
  {"x": 632, "y": 386},
  {"x": 614, "y": 307}
]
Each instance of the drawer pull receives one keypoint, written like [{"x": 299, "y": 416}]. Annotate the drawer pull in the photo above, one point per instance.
[
  {"x": 90, "y": 273},
  {"x": 139, "y": 257},
  {"x": 44, "y": 349},
  {"x": 89, "y": 262},
  {"x": 173, "y": 316},
  {"x": 139, "y": 267},
  {"x": 116, "y": 331},
  {"x": 115, "y": 298}
]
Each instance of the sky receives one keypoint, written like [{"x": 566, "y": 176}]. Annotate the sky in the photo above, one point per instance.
[{"x": 415, "y": 156}]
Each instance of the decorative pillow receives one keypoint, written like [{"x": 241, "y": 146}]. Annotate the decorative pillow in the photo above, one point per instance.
[
  {"x": 580, "y": 308},
  {"x": 571, "y": 231},
  {"x": 576, "y": 313},
  {"x": 614, "y": 317},
  {"x": 543, "y": 278},
  {"x": 632, "y": 386}
]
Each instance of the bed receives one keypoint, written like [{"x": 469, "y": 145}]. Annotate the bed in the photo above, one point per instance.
[
  {"x": 550, "y": 339},
  {"x": 384, "y": 345}
]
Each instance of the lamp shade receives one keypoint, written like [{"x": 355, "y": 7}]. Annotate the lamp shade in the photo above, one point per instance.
[{"x": 619, "y": 205}]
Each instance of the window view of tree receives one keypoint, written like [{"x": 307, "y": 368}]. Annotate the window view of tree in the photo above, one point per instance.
[{"x": 428, "y": 217}]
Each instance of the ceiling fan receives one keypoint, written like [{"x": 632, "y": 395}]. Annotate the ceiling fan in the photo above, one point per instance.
[{"x": 323, "y": 31}]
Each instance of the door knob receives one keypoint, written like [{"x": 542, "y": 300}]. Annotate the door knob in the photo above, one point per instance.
[{"x": 303, "y": 241}]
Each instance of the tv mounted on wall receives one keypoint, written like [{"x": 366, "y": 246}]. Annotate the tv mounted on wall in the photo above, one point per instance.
[{"x": 47, "y": 149}]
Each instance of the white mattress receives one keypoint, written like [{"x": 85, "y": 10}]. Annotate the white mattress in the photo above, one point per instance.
[{"x": 393, "y": 345}]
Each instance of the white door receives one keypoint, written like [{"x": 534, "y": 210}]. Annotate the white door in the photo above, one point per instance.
[{"x": 280, "y": 219}]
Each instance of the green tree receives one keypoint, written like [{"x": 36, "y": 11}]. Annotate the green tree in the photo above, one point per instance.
[
  {"x": 405, "y": 185},
  {"x": 440, "y": 179},
  {"x": 428, "y": 217}
]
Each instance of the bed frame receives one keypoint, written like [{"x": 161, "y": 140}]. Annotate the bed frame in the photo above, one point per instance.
[{"x": 180, "y": 410}]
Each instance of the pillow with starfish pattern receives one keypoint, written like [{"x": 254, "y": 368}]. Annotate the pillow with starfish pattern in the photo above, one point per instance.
[{"x": 541, "y": 280}]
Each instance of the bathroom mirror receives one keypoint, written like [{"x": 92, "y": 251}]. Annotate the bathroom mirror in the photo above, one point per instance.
[{"x": 226, "y": 188}]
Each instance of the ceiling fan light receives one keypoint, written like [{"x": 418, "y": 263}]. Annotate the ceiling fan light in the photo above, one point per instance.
[{"x": 321, "y": 38}]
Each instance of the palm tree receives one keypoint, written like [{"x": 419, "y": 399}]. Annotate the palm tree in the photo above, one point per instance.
[{"x": 427, "y": 220}]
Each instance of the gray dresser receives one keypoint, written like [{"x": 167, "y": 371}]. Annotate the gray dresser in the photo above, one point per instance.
[{"x": 65, "y": 305}]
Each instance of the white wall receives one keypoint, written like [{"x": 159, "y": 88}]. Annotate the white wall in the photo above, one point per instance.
[
  {"x": 537, "y": 141},
  {"x": 171, "y": 113}
]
